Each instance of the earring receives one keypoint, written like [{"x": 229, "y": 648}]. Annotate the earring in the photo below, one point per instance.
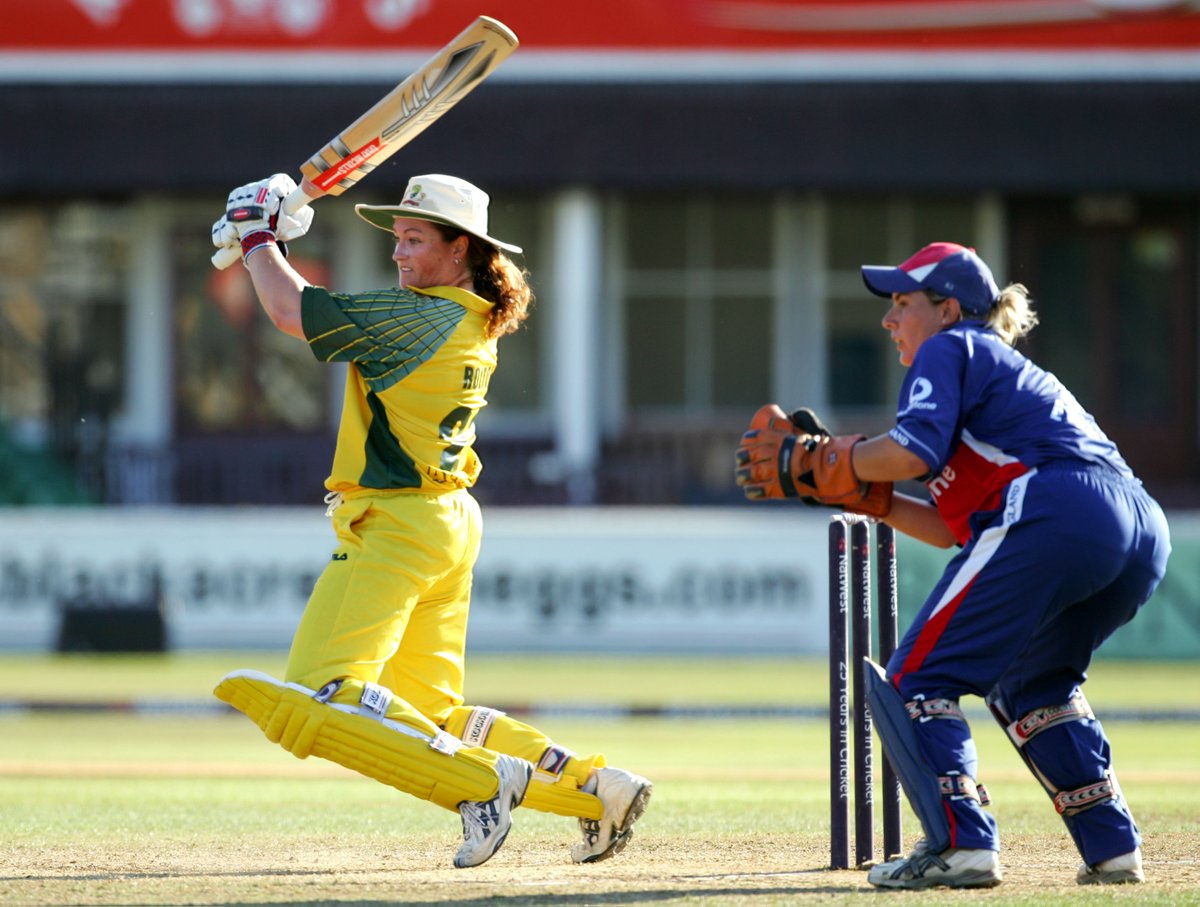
[{"x": 458, "y": 261}]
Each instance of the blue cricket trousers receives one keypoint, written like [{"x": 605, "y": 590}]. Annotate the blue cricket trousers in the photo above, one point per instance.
[{"x": 1073, "y": 554}]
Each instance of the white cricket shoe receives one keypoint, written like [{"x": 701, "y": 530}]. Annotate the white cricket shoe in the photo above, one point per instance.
[
  {"x": 486, "y": 823},
  {"x": 954, "y": 868},
  {"x": 1115, "y": 871},
  {"x": 624, "y": 796}
]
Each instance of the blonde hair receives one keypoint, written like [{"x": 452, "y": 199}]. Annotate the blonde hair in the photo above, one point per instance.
[{"x": 1011, "y": 315}]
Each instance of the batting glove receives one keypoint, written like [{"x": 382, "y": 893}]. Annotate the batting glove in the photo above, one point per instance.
[{"x": 255, "y": 215}]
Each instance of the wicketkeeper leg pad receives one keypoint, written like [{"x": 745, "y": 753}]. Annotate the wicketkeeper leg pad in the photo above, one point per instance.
[
  {"x": 1065, "y": 748},
  {"x": 920, "y": 782},
  {"x": 433, "y": 767}
]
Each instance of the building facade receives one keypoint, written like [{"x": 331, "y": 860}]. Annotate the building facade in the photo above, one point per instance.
[{"x": 695, "y": 185}]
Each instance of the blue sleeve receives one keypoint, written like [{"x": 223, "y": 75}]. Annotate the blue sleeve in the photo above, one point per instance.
[{"x": 929, "y": 414}]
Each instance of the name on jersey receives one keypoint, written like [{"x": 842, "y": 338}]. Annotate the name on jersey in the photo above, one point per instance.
[{"x": 476, "y": 377}]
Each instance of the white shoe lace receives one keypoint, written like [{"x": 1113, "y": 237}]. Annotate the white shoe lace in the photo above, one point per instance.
[{"x": 479, "y": 820}]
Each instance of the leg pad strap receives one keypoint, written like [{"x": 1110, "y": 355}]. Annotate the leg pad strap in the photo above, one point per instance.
[
  {"x": 963, "y": 787},
  {"x": 1033, "y": 723},
  {"x": 479, "y": 725},
  {"x": 1071, "y": 802}
]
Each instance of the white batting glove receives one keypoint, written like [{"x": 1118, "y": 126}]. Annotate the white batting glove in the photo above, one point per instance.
[{"x": 258, "y": 208}]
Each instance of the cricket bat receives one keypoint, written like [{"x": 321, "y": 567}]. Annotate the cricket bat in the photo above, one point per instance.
[{"x": 399, "y": 116}]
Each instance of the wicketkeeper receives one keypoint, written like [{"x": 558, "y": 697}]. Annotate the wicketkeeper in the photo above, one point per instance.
[
  {"x": 375, "y": 674},
  {"x": 1060, "y": 546}
]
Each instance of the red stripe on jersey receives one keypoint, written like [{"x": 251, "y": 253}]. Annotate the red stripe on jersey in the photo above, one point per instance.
[{"x": 973, "y": 479}]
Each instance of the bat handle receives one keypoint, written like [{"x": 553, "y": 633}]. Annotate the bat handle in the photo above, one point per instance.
[
  {"x": 299, "y": 197},
  {"x": 302, "y": 195},
  {"x": 225, "y": 256}
]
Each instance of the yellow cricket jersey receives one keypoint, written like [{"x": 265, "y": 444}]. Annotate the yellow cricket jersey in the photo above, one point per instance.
[{"x": 420, "y": 363}]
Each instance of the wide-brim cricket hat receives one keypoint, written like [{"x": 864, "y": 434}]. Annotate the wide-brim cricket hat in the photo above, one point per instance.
[
  {"x": 443, "y": 199},
  {"x": 944, "y": 267}
]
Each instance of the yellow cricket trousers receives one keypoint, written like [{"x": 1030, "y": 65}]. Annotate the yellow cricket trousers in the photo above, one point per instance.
[{"x": 391, "y": 608}]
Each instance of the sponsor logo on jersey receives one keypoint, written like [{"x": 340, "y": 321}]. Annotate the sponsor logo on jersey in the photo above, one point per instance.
[
  {"x": 941, "y": 484},
  {"x": 918, "y": 396}
]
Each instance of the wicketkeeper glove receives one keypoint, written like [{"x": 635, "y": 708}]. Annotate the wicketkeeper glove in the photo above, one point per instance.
[
  {"x": 255, "y": 215},
  {"x": 797, "y": 457}
]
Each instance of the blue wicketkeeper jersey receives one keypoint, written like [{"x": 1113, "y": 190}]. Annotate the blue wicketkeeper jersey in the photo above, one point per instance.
[{"x": 980, "y": 413}]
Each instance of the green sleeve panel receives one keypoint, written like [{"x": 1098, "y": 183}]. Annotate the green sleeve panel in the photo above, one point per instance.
[{"x": 385, "y": 333}]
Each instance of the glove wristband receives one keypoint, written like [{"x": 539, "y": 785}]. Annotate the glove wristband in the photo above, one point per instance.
[
  {"x": 784, "y": 468},
  {"x": 251, "y": 242}
]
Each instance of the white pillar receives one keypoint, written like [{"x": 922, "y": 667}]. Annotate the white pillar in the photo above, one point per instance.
[
  {"x": 145, "y": 417},
  {"x": 575, "y": 326},
  {"x": 800, "y": 348},
  {"x": 992, "y": 226}
]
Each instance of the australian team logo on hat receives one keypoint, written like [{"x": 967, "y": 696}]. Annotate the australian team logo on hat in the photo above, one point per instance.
[{"x": 944, "y": 267}]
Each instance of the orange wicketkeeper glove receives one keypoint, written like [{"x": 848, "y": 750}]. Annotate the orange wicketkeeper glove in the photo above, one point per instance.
[{"x": 796, "y": 457}]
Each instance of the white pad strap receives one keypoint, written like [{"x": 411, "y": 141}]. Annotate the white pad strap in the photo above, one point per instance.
[
  {"x": 375, "y": 700},
  {"x": 374, "y": 703},
  {"x": 1070, "y": 802},
  {"x": 957, "y": 786},
  {"x": 554, "y": 761},
  {"x": 479, "y": 725},
  {"x": 1033, "y": 723},
  {"x": 443, "y": 743},
  {"x": 928, "y": 709}
]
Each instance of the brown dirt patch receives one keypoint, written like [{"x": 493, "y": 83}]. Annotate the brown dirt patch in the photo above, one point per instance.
[{"x": 759, "y": 870}]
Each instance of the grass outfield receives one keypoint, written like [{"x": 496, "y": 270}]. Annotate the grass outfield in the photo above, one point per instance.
[{"x": 117, "y": 808}]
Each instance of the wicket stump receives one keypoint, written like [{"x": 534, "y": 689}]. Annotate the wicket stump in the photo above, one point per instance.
[{"x": 850, "y": 607}]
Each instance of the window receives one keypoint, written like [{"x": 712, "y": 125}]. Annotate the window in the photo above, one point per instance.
[
  {"x": 697, "y": 308},
  {"x": 862, "y": 365},
  {"x": 517, "y": 383},
  {"x": 235, "y": 371},
  {"x": 63, "y": 274},
  {"x": 1113, "y": 279}
]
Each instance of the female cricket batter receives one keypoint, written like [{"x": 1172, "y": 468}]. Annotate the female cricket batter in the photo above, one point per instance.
[
  {"x": 1060, "y": 543},
  {"x": 375, "y": 673}
]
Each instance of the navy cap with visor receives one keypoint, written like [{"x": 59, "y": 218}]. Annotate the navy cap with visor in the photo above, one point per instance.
[{"x": 945, "y": 268}]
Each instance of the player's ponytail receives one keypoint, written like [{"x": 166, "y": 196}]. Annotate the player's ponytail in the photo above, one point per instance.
[
  {"x": 1012, "y": 315},
  {"x": 499, "y": 280}
]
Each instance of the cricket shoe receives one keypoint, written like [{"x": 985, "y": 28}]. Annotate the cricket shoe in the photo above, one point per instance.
[
  {"x": 954, "y": 868},
  {"x": 624, "y": 796},
  {"x": 1115, "y": 871},
  {"x": 486, "y": 823}
]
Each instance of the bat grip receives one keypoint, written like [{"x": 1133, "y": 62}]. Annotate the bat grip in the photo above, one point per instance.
[
  {"x": 225, "y": 256},
  {"x": 296, "y": 199},
  {"x": 302, "y": 195}
]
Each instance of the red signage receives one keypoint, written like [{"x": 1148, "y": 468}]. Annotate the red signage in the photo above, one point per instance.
[{"x": 703, "y": 25}]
